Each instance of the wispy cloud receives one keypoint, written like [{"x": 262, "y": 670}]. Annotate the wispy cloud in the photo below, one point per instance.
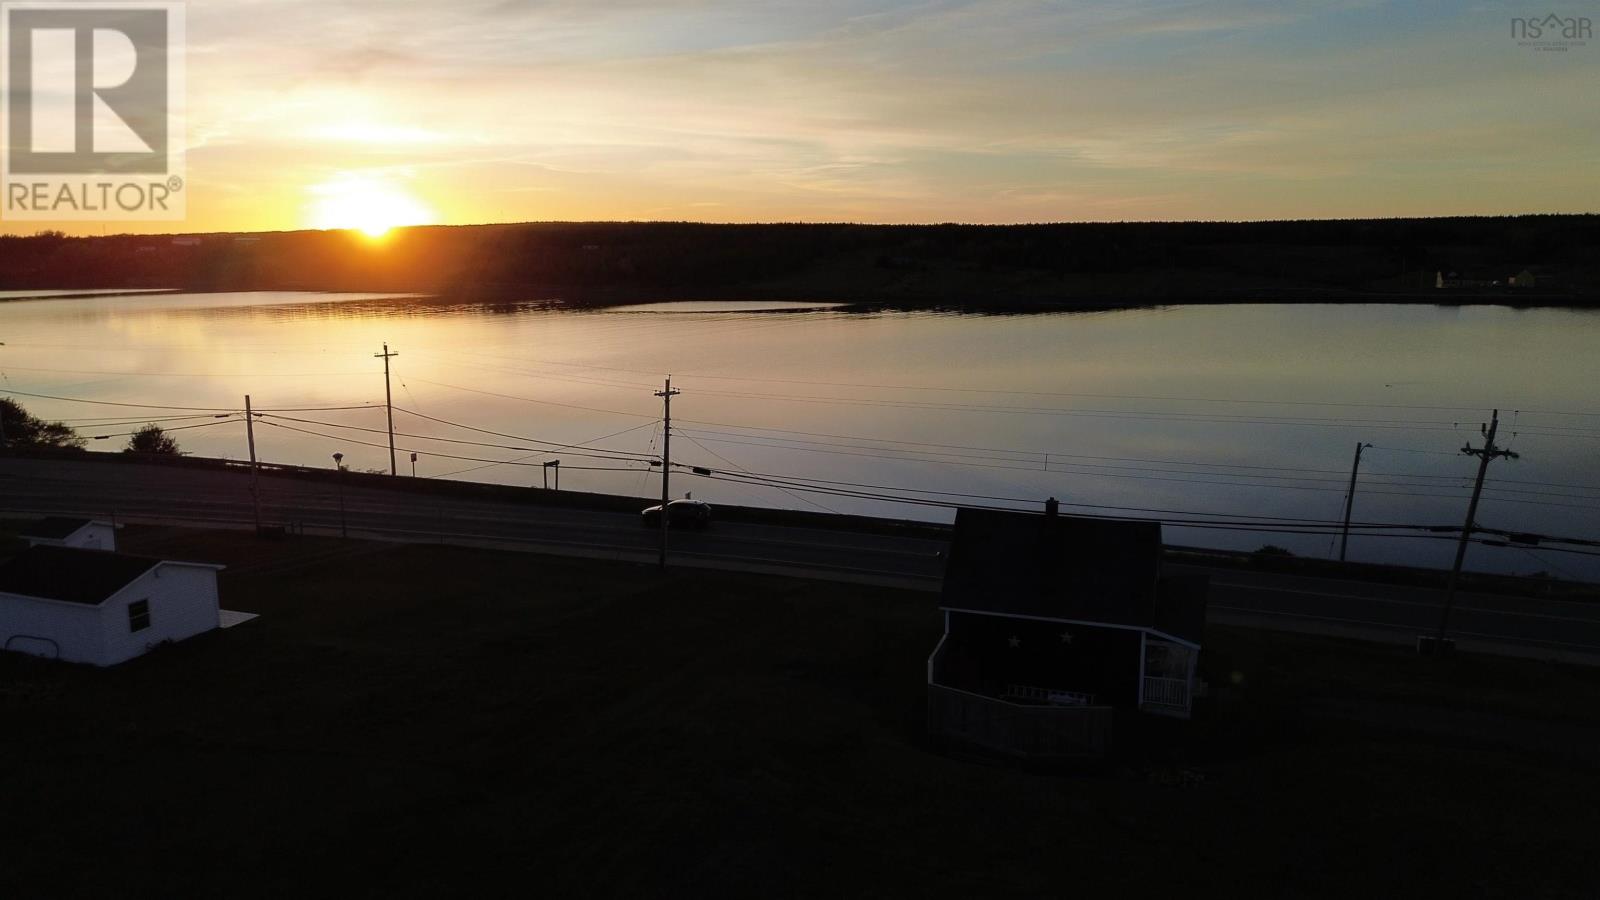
[{"x": 982, "y": 110}]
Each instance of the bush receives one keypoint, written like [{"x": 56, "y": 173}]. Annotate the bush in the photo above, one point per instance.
[{"x": 153, "y": 439}]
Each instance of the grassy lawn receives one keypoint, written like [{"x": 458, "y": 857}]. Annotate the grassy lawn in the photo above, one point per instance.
[{"x": 410, "y": 721}]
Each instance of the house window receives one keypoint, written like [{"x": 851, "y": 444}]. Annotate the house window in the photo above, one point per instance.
[{"x": 138, "y": 615}]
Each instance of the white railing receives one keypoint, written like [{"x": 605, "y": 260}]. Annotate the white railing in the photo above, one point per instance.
[
  {"x": 1170, "y": 692},
  {"x": 1046, "y": 696},
  {"x": 1039, "y": 732}
]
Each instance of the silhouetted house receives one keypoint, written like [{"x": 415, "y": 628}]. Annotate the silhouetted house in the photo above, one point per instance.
[
  {"x": 65, "y": 531},
  {"x": 1055, "y": 625},
  {"x": 102, "y": 608}
]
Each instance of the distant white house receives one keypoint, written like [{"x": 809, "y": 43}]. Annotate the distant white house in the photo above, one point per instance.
[
  {"x": 102, "y": 608},
  {"x": 64, "y": 531}
]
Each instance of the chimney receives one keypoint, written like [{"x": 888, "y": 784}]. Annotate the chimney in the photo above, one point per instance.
[{"x": 1052, "y": 507}]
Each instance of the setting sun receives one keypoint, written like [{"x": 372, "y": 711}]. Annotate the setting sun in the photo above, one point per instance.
[{"x": 368, "y": 205}]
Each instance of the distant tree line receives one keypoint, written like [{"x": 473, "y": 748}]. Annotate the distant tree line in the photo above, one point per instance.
[{"x": 825, "y": 261}]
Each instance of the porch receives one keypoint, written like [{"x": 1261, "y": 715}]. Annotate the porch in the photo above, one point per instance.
[
  {"x": 1015, "y": 719},
  {"x": 1029, "y": 731},
  {"x": 1166, "y": 678}
]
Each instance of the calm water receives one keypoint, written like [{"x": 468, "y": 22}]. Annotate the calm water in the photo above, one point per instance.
[{"x": 1252, "y": 410}]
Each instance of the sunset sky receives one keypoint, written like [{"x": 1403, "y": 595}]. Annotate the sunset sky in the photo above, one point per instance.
[{"x": 303, "y": 112}]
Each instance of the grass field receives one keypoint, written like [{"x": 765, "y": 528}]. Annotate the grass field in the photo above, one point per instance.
[{"x": 424, "y": 721}]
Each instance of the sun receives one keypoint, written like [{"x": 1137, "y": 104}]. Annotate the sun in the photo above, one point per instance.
[{"x": 369, "y": 205}]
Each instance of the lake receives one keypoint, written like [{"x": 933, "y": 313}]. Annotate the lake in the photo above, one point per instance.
[{"x": 1185, "y": 413}]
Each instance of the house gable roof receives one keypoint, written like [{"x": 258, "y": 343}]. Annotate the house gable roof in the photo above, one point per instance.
[
  {"x": 1068, "y": 568},
  {"x": 71, "y": 575},
  {"x": 53, "y": 528}
]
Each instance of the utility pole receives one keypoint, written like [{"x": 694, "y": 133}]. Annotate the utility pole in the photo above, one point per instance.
[
  {"x": 338, "y": 476},
  {"x": 552, "y": 464},
  {"x": 666, "y": 394},
  {"x": 1350, "y": 499},
  {"x": 388, "y": 403},
  {"x": 255, "y": 479},
  {"x": 413, "y": 465},
  {"x": 1485, "y": 455}
]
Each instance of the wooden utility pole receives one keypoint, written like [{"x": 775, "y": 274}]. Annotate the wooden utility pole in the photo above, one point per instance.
[
  {"x": 666, "y": 394},
  {"x": 1350, "y": 499},
  {"x": 255, "y": 475},
  {"x": 1485, "y": 455},
  {"x": 388, "y": 404}
]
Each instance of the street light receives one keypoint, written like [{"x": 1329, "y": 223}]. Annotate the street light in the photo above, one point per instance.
[
  {"x": 338, "y": 465},
  {"x": 552, "y": 464},
  {"x": 413, "y": 465}
]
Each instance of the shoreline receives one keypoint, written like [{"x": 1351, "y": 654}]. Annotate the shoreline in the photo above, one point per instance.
[{"x": 569, "y": 296}]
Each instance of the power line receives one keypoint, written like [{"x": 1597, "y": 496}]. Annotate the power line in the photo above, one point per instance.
[
  {"x": 115, "y": 403},
  {"x": 195, "y": 409},
  {"x": 623, "y": 455},
  {"x": 799, "y": 480},
  {"x": 918, "y": 501},
  {"x": 614, "y": 412},
  {"x": 997, "y": 391},
  {"x": 785, "y": 491},
  {"x": 1150, "y": 415},
  {"x": 1059, "y": 468},
  {"x": 113, "y": 421},
  {"x": 549, "y": 452},
  {"x": 786, "y": 443},
  {"x": 1048, "y": 459},
  {"x": 102, "y": 437},
  {"x": 518, "y": 437},
  {"x": 436, "y": 455},
  {"x": 11, "y": 367}
]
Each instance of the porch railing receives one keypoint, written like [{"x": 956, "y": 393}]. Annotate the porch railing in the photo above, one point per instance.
[
  {"x": 1038, "y": 732},
  {"x": 1172, "y": 693}
]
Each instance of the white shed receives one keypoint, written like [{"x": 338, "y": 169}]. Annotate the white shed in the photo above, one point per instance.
[
  {"x": 63, "y": 531},
  {"x": 102, "y": 608}
]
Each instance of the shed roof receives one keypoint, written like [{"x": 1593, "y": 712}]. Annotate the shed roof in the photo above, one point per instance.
[
  {"x": 1069, "y": 568},
  {"x": 53, "y": 527},
  {"x": 66, "y": 573}
]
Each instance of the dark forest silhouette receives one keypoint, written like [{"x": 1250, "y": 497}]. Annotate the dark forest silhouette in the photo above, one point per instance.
[{"x": 967, "y": 264}]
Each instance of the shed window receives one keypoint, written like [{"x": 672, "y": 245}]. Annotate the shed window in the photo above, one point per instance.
[{"x": 138, "y": 615}]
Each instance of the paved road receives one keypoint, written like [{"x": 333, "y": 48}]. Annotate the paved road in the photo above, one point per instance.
[
  {"x": 1522, "y": 626},
  {"x": 132, "y": 492}
]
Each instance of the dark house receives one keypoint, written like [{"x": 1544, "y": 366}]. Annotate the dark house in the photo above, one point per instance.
[{"x": 1053, "y": 624}]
